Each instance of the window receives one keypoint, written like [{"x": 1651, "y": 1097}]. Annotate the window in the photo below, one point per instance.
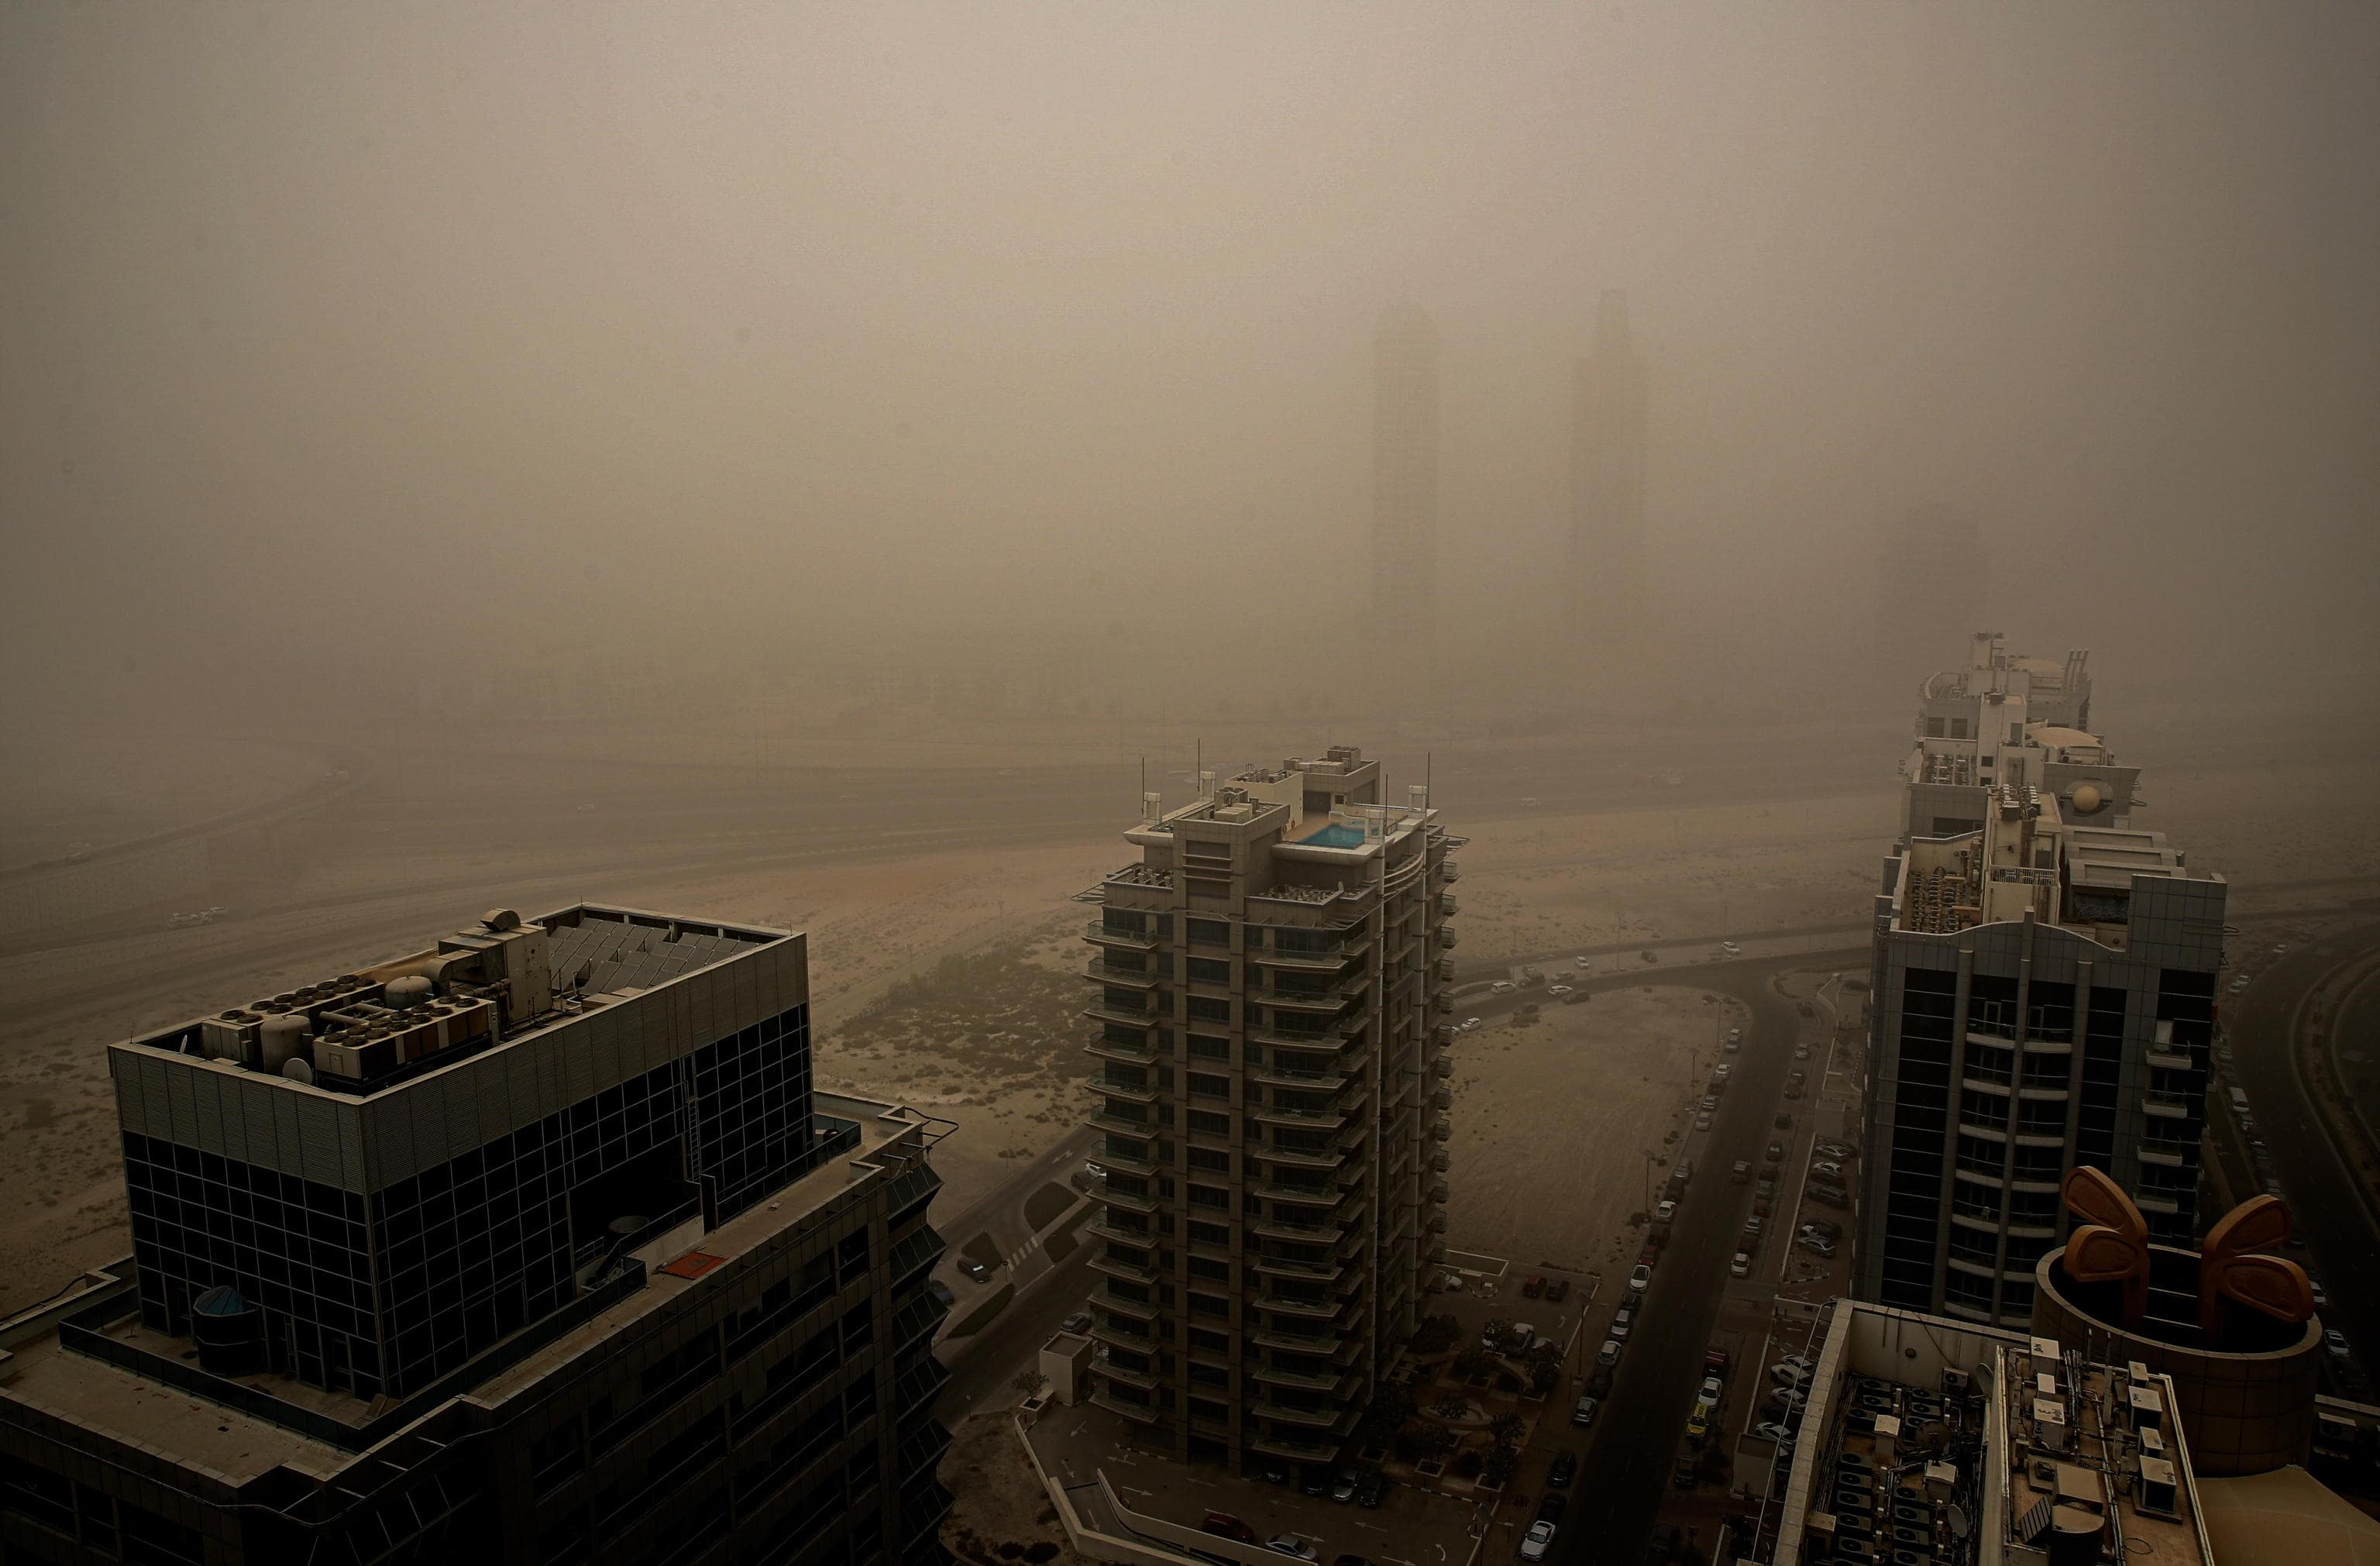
[
  {"x": 1205, "y": 1338},
  {"x": 1210, "y": 1122},
  {"x": 1207, "y": 1267},
  {"x": 1206, "y": 1046},
  {"x": 1208, "y": 1197},
  {"x": 1211, "y": 1376},
  {"x": 1209, "y": 970},
  {"x": 1208, "y": 1304},
  {"x": 1211, "y": 1157},
  {"x": 1209, "y": 1008},
  {"x": 1204, "y": 1084},
  {"x": 1208, "y": 1234},
  {"x": 1210, "y": 932}
]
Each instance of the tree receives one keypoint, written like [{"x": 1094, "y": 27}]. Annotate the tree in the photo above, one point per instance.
[
  {"x": 1502, "y": 1465},
  {"x": 1497, "y": 1334},
  {"x": 1027, "y": 1381},
  {"x": 1472, "y": 1364},
  {"x": 1391, "y": 1406},
  {"x": 1452, "y": 1405},
  {"x": 1543, "y": 1374},
  {"x": 1435, "y": 1335},
  {"x": 1435, "y": 1440},
  {"x": 1505, "y": 1429}
]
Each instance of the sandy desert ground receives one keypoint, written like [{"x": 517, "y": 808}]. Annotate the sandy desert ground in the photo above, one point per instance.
[{"x": 992, "y": 1043}]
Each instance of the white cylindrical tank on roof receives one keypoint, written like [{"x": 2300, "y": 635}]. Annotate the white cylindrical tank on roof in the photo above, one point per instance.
[
  {"x": 286, "y": 1038},
  {"x": 403, "y": 993}
]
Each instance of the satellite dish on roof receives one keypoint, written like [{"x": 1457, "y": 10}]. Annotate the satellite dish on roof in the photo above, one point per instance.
[{"x": 1958, "y": 1523}]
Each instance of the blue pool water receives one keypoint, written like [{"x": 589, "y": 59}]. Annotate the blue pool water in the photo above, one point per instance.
[{"x": 1336, "y": 835}]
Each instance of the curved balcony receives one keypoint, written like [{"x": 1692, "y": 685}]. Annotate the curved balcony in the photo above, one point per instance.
[
  {"x": 1327, "y": 1157},
  {"x": 1324, "y": 1416},
  {"x": 1116, "y": 1124},
  {"x": 1330, "y": 957},
  {"x": 1320, "y": 1308},
  {"x": 1313, "y": 1271},
  {"x": 1140, "y": 1412},
  {"x": 1130, "y": 1271},
  {"x": 1131, "y": 1375},
  {"x": 1136, "y": 941},
  {"x": 1104, "y": 1228},
  {"x": 1130, "y": 1201},
  {"x": 1331, "y": 999},
  {"x": 1106, "y": 1011},
  {"x": 1103, "y": 972},
  {"x": 1324, "y": 1195},
  {"x": 1330, "y": 1119},
  {"x": 1141, "y": 1053},
  {"x": 1133, "y": 1092},
  {"x": 1101, "y": 1299},
  {"x": 1334, "y": 1382}
]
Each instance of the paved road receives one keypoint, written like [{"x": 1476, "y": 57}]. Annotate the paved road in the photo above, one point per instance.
[
  {"x": 1625, "y": 1473},
  {"x": 2323, "y": 1200}
]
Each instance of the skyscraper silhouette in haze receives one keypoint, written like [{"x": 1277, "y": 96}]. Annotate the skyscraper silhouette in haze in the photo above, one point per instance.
[
  {"x": 1607, "y": 491},
  {"x": 1404, "y": 484}
]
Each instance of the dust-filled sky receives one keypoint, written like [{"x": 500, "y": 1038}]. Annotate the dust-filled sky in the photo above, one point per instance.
[{"x": 346, "y": 344}]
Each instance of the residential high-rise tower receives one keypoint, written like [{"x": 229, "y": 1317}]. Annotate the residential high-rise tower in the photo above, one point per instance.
[
  {"x": 2043, "y": 996},
  {"x": 1268, "y": 1010},
  {"x": 1404, "y": 484},
  {"x": 1607, "y": 489}
]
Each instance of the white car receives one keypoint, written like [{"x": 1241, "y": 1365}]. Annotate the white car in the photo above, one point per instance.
[
  {"x": 1641, "y": 1277},
  {"x": 1740, "y": 1267},
  {"x": 2335, "y": 1341},
  {"x": 1733, "y": 1045},
  {"x": 1290, "y": 1545},
  {"x": 1827, "y": 1165},
  {"x": 2280, "y": 947},
  {"x": 1537, "y": 1541},
  {"x": 1503, "y": 986},
  {"x": 1774, "y": 1431},
  {"x": 2321, "y": 1296},
  {"x": 1730, "y": 948},
  {"x": 1800, "y": 1051},
  {"x": 1721, "y": 1072},
  {"x": 1702, "y": 1119},
  {"x": 1558, "y": 989},
  {"x": 1609, "y": 1355},
  {"x": 1469, "y": 1023},
  {"x": 1581, "y": 964},
  {"x": 1665, "y": 1211},
  {"x": 1710, "y": 1392},
  {"x": 1619, "y": 1325}
]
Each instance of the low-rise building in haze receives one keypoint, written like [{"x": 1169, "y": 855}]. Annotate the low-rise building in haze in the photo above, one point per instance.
[
  {"x": 2043, "y": 996},
  {"x": 536, "y": 1245},
  {"x": 1268, "y": 1009}
]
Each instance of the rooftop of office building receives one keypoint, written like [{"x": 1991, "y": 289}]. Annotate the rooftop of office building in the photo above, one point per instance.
[
  {"x": 492, "y": 985},
  {"x": 87, "y": 1360},
  {"x": 2095, "y": 1462}
]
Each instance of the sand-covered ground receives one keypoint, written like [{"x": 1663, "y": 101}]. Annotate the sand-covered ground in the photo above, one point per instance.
[{"x": 994, "y": 1044}]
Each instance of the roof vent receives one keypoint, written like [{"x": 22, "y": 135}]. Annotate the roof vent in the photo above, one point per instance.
[{"x": 500, "y": 919}]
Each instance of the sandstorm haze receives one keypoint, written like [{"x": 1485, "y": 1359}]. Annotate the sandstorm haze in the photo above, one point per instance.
[{"x": 391, "y": 358}]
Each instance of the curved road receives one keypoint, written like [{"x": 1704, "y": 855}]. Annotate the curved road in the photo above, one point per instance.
[{"x": 2326, "y": 1200}]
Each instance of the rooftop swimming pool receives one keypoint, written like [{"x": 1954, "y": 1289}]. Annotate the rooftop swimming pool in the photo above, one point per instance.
[{"x": 1338, "y": 834}]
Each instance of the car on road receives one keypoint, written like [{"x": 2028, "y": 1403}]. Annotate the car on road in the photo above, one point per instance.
[
  {"x": 1292, "y": 1545},
  {"x": 2321, "y": 1295},
  {"x": 1534, "y": 1287},
  {"x": 1742, "y": 1173},
  {"x": 1470, "y": 1025},
  {"x": 1582, "y": 963},
  {"x": 975, "y": 1270},
  {"x": 1609, "y": 1355},
  {"x": 1079, "y": 1322},
  {"x": 1621, "y": 1324},
  {"x": 1827, "y": 1166},
  {"x": 1776, "y": 1153},
  {"x": 1774, "y": 1431},
  {"x": 1800, "y": 1051},
  {"x": 2239, "y": 984},
  {"x": 2280, "y": 948},
  {"x": 1564, "y": 1469},
  {"x": 1740, "y": 1267},
  {"x": 1647, "y": 956},
  {"x": 1503, "y": 986},
  {"x": 1372, "y": 1491},
  {"x": 1710, "y": 1102},
  {"x": 1222, "y": 1524},
  {"x": 1581, "y": 1413},
  {"x": 2335, "y": 1341},
  {"x": 1702, "y": 1119},
  {"x": 1751, "y": 1225},
  {"x": 1344, "y": 1485},
  {"x": 1314, "y": 1479},
  {"x": 1558, "y": 989},
  {"x": 1835, "y": 1149},
  {"x": 1721, "y": 1072},
  {"x": 1537, "y": 1541},
  {"x": 1730, "y": 948},
  {"x": 1557, "y": 1290},
  {"x": 1817, "y": 1244},
  {"x": 1639, "y": 1277}
]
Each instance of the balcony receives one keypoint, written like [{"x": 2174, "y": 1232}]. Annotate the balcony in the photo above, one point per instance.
[
  {"x": 1297, "y": 1449},
  {"x": 1449, "y": 871},
  {"x": 1327, "y": 959},
  {"x": 1117, "y": 1335},
  {"x": 1331, "y": 1155},
  {"x": 1131, "y": 1160},
  {"x": 1105, "y": 1299},
  {"x": 1130, "y": 1271},
  {"x": 1327, "y": 1196},
  {"x": 1130, "y": 1376},
  {"x": 1328, "y": 1000},
  {"x": 1321, "y": 1418},
  {"x": 1104, "y": 1227},
  {"x": 1302, "y": 1232},
  {"x": 1116, "y": 1124},
  {"x": 1140, "y": 1412},
  {"x": 1322, "y": 1307},
  {"x": 1130, "y": 1017},
  {"x": 1333, "y": 1383},
  {"x": 1141, "y": 1053},
  {"x": 1313, "y": 1271},
  {"x": 2171, "y": 1106},
  {"x": 1142, "y": 1092},
  {"x": 1130, "y": 1201},
  {"x": 1447, "y": 904},
  {"x": 1131, "y": 940},
  {"x": 1105, "y": 971},
  {"x": 2162, "y": 1059},
  {"x": 1339, "y": 1345},
  {"x": 1330, "y": 1118}
]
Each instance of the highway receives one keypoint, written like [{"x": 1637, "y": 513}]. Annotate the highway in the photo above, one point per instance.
[{"x": 2324, "y": 1200}]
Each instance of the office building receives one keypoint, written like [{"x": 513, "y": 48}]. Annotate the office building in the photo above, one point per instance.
[
  {"x": 2043, "y": 997},
  {"x": 1933, "y": 586},
  {"x": 1607, "y": 612},
  {"x": 536, "y": 1245},
  {"x": 1404, "y": 484},
  {"x": 1268, "y": 1009}
]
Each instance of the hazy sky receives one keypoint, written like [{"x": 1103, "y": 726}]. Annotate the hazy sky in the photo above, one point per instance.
[{"x": 330, "y": 335}]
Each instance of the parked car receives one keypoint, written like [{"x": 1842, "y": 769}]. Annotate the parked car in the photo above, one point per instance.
[
  {"x": 1503, "y": 986},
  {"x": 1835, "y": 1149},
  {"x": 1558, "y": 989},
  {"x": 1734, "y": 1045},
  {"x": 1575, "y": 997},
  {"x": 1826, "y": 1226},
  {"x": 1647, "y": 956},
  {"x": 1721, "y": 1072},
  {"x": 1274, "y": 1471},
  {"x": 1829, "y": 1195},
  {"x": 1730, "y": 948},
  {"x": 1371, "y": 1492},
  {"x": 973, "y": 1268},
  {"x": 1710, "y": 1102},
  {"x": 1470, "y": 1025},
  {"x": 1079, "y": 1322},
  {"x": 1222, "y": 1524},
  {"x": 1817, "y": 1244},
  {"x": 1734, "y": 1035},
  {"x": 1550, "y": 1509},
  {"x": 1784, "y": 1121},
  {"x": 2321, "y": 1296},
  {"x": 1314, "y": 1479},
  {"x": 2335, "y": 1341},
  {"x": 1292, "y": 1545},
  {"x": 1751, "y": 1225},
  {"x": 1742, "y": 1173},
  {"x": 1664, "y": 1211},
  {"x": 1564, "y": 1469},
  {"x": 1774, "y": 1431},
  {"x": 1740, "y": 1267},
  {"x": 1621, "y": 1324},
  {"x": 1643, "y": 1275},
  {"x": 1537, "y": 1541},
  {"x": 1533, "y": 1288},
  {"x": 1776, "y": 1153},
  {"x": 1711, "y": 1388},
  {"x": 1581, "y": 964},
  {"x": 1702, "y": 1119},
  {"x": 1557, "y": 1290},
  {"x": 1581, "y": 1413},
  {"x": 1827, "y": 1165},
  {"x": 1792, "y": 1367},
  {"x": 1609, "y": 1355}
]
